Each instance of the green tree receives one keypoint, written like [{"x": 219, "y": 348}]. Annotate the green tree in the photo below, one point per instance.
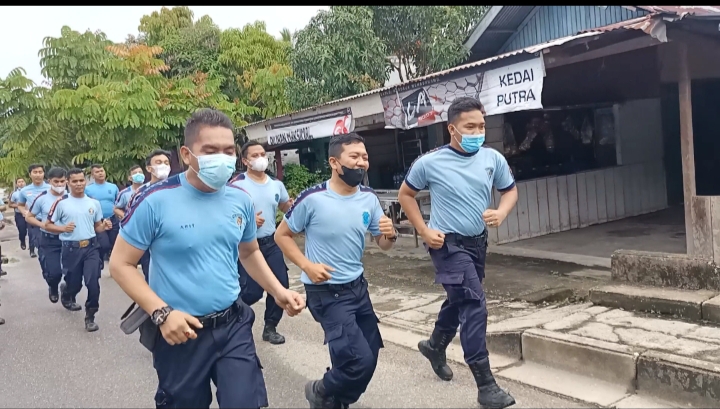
[
  {"x": 255, "y": 66},
  {"x": 336, "y": 55},
  {"x": 425, "y": 39},
  {"x": 156, "y": 27}
]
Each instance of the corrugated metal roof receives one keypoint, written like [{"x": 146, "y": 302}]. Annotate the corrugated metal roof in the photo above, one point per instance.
[{"x": 645, "y": 23}]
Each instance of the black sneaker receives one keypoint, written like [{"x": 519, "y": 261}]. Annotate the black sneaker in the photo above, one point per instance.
[
  {"x": 23, "y": 246},
  {"x": 32, "y": 254}
]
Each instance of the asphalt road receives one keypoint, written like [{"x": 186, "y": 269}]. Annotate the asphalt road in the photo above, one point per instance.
[{"x": 48, "y": 360}]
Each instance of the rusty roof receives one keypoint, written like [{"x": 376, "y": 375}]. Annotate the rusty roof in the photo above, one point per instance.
[{"x": 645, "y": 23}]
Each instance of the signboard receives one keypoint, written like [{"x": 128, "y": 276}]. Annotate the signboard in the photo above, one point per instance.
[
  {"x": 332, "y": 123},
  {"x": 516, "y": 87}
]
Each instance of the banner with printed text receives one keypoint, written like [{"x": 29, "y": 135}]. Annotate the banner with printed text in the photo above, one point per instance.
[
  {"x": 515, "y": 87},
  {"x": 332, "y": 123}
]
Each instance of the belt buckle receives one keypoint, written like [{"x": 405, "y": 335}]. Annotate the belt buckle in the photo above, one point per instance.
[{"x": 83, "y": 243}]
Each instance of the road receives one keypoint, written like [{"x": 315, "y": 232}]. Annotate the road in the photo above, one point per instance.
[{"x": 48, "y": 360}]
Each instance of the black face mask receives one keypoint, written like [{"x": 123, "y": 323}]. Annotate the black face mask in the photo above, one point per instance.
[{"x": 352, "y": 177}]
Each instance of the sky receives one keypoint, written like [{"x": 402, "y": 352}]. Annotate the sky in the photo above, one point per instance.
[{"x": 23, "y": 28}]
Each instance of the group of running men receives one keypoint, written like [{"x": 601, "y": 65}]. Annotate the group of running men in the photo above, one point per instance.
[{"x": 214, "y": 249}]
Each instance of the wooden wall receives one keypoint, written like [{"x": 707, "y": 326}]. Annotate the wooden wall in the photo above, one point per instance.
[{"x": 555, "y": 204}]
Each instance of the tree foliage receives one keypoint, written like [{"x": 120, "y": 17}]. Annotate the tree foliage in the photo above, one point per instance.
[
  {"x": 426, "y": 39},
  {"x": 336, "y": 55}
]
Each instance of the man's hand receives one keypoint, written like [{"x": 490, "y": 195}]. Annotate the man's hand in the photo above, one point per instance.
[
  {"x": 433, "y": 238},
  {"x": 70, "y": 227},
  {"x": 493, "y": 218},
  {"x": 291, "y": 302},
  {"x": 259, "y": 220},
  {"x": 179, "y": 327},
  {"x": 290, "y": 202},
  {"x": 386, "y": 227},
  {"x": 108, "y": 224},
  {"x": 318, "y": 272}
]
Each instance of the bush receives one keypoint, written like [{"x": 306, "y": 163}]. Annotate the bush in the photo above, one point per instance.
[{"x": 297, "y": 178}]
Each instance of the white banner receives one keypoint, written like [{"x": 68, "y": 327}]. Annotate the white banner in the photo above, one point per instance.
[
  {"x": 332, "y": 123},
  {"x": 516, "y": 87}
]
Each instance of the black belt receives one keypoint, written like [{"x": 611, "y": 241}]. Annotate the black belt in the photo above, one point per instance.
[
  {"x": 50, "y": 235},
  {"x": 467, "y": 241},
  {"x": 334, "y": 287},
  {"x": 266, "y": 240},
  {"x": 80, "y": 244},
  {"x": 221, "y": 318}
]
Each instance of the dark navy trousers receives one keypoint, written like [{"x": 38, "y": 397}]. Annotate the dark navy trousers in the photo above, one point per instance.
[
  {"x": 107, "y": 238},
  {"x": 224, "y": 355},
  {"x": 460, "y": 268},
  {"x": 251, "y": 292},
  {"x": 351, "y": 333},
  {"x": 21, "y": 225},
  {"x": 49, "y": 254},
  {"x": 33, "y": 237},
  {"x": 82, "y": 264}
]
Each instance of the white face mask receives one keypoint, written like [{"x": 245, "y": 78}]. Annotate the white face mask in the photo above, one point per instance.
[
  {"x": 259, "y": 164},
  {"x": 58, "y": 189},
  {"x": 161, "y": 171}
]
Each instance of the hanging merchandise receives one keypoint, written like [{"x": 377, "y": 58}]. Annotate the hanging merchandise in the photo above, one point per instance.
[
  {"x": 509, "y": 142},
  {"x": 548, "y": 137},
  {"x": 568, "y": 125},
  {"x": 533, "y": 128},
  {"x": 586, "y": 133}
]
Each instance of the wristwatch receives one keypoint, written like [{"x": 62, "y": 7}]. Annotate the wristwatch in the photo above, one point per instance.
[
  {"x": 393, "y": 238},
  {"x": 159, "y": 316}
]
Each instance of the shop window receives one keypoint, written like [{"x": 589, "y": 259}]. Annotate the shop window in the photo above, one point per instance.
[{"x": 559, "y": 141}]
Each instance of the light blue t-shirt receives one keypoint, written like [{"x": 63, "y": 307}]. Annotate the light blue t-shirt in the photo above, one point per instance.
[
  {"x": 14, "y": 197},
  {"x": 84, "y": 212},
  {"x": 123, "y": 198},
  {"x": 106, "y": 193},
  {"x": 460, "y": 185},
  {"x": 335, "y": 228},
  {"x": 1, "y": 213},
  {"x": 30, "y": 192},
  {"x": 41, "y": 206},
  {"x": 193, "y": 237},
  {"x": 266, "y": 197}
]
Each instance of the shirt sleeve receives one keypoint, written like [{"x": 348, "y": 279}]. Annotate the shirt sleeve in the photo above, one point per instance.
[
  {"x": 35, "y": 206},
  {"x": 122, "y": 201},
  {"x": 502, "y": 179},
  {"x": 375, "y": 215},
  {"x": 21, "y": 198},
  {"x": 250, "y": 231},
  {"x": 55, "y": 213},
  {"x": 284, "y": 197},
  {"x": 416, "y": 178},
  {"x": 139, "y": 226},
  {"x": 298, "y": 216}
]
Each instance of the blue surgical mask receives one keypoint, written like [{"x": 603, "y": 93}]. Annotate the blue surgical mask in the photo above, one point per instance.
[
  {"x": 138, "y": 178},
  {"x": 471, "y": 143},
  {"x": 216, "y": 169}
]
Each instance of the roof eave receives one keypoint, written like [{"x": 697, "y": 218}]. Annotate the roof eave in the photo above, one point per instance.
[{"x": 483, "y": 25}]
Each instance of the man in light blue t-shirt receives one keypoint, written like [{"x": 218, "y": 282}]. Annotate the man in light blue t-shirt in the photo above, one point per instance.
[
  {"x": 50, "y": 248},
  {"x": 268, "y": 195},
  {"x": 25, "y": 199},
  {"x": 106, "y": 193},
  {"x": 19, "y": 218},
  {"x": 335, "y": 216},
  {"x": 77, "y": 218},
  {"x": 461, "y": 177},
  {"x": 196, "y": 225}
]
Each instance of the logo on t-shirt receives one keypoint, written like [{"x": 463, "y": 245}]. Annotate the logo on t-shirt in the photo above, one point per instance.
[
  {"x": 277, "y": 198},
  {"x": 91, "y": 210},
  {"x": 238, "y": 219},
  {"x": 489, "y": 172},
  {"x": 366, "y": 219}
]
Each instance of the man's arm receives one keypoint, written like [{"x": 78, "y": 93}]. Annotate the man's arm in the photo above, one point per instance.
[
  {"x": 285, "y": 202},
  {"x": 13, "y": 204},
  {"x": 285, "y": 239},
  {"x": 54, "y": 215},
  {"x": 123, "y": 269},
  {"x": 21, "y": 203},
  {"x": 254, "y": 263},
  {"x": 406, "y": 197},
  {"x": 32, "y": 220}
]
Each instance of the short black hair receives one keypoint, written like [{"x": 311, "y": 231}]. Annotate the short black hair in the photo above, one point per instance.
[
  {"x": 248, "y": 144},
  {"x": 205, "y": 117},
  {"x": 96, "y": 166},
  {"x": 462, "y": 105},
  {"x": 56, "y": 173},
  {"x": 75, "y": 171},
  {"x": 20, "y": 178},
  {"x": 337, "y": 143},
  {"x": 156, "y": 152},
  {"x": 35, "y": 166},
  {"x": 133, "y": 167}
]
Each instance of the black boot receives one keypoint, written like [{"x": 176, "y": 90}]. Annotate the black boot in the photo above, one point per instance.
[
  {"x": 490, "y": 395},
  {"x": 271, "y": 335},
  {"x": 2, "y": 272},
  {"x": 90, "y": 325},
  {"x": 22, "y": 245},
  {"x": 32, "y": 252},
  {"x": 434, "y": 350},
  {"x": 67, "y": 302},
  {"x": 315, "y": 395},
  {"x": 2, "y": 321},
  {"x": 53, "y": 295}
]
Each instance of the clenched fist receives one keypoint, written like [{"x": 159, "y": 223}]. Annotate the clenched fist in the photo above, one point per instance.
[{"x": 386, "y": 227}]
